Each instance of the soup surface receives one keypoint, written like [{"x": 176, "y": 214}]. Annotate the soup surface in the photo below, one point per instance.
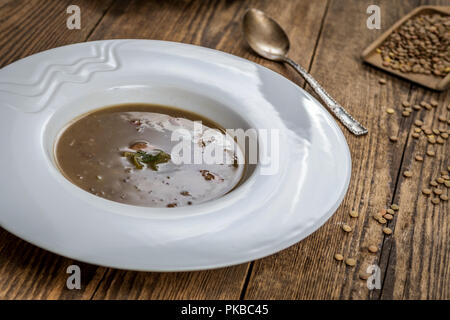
[{"x": 125, "y": 153}]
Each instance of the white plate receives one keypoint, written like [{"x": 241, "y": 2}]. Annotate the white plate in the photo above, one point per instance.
[{"x": 42, "y": 93}]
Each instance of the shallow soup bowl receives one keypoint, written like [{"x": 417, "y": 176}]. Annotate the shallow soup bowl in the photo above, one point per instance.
[{"x": 299, "y": 179}]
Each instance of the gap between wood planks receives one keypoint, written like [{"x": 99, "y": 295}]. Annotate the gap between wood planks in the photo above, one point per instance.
[{"x": 372, "y": 294}]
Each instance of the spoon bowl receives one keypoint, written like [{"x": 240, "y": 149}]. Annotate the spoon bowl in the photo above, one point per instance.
[{"x": 265, "y": 36}]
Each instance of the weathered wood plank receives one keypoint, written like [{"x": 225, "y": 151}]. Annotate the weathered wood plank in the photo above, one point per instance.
[
  {"x": 416, "y": 259},
  {"x": 28, "y": 27},
  {"x": 308, "y": 270}
]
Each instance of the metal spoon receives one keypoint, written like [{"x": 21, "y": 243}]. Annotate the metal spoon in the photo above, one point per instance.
[{"x": 269, "y": 40}]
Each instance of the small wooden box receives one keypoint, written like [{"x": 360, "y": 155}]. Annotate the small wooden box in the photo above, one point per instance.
[{"x": 430, "y": 81}]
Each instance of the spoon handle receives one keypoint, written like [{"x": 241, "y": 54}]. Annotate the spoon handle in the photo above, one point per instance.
[{"x": 346, "y": 119}]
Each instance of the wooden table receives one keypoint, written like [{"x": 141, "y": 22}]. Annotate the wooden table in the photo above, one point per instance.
[{"x": 327, "y": 38}]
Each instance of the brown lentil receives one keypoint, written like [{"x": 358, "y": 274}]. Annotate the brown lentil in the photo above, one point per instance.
[
  {"x": 443, "y": 197},
  {"x": 407, "y": 174},
  {"x": 390, "y": 110},
  {"x": 437, "y": 191},
  {"x": 350, "y": 262},
  {"x": 382, "y": 220},
  {"x": 395, "y": 207},
  {"x": 338, "y": 257},
  {"x": 435, "y": 201},
  {"x": 426, "y": 191},
  {"x": 419, "y": 158},
  {"x": 387, "y": 231},
  {"x": 346, "y": 228},
  {"x": 393, "y": 138},
  {"x": 372, "y": 248},
  {"x": 364, "y": 276},
  {"x": 354, "y": 214},
  {"x": 388, "y": 216}
]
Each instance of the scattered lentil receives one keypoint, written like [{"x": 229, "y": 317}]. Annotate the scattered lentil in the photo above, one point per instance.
[
  {"x": 388, "y": 216},
  {"x": 426, "y": 191},
  {"x": 387, "y": 230},
  {"x": 437, "y": 191},
  {"x": 393, "y": 138},
  {"x": 372, "y": 248},
  {"x": 395, "y": 207},
  {"x": 364, "y": 276},
  {"x": 346, "y": 228},
  {"x": 350, "y": 262},
  {"x": 407, "y": 174},
  {"x": 390, "y": 110},
  {"x": 419, "y": 158},
  {"x": 338, "y": 257},
  {"x": 431, "y": 153},
  {"x": 443, "y": 197},
  {"x": 435, "y": 201},
  {"x": 382, "y": 81}
]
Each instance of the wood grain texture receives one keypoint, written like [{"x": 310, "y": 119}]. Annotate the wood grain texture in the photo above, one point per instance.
[
  {"x": 27, "y": 27},
  {"x": 308, "y": 270},
  {"x": 327, "y": 37}
]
